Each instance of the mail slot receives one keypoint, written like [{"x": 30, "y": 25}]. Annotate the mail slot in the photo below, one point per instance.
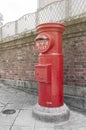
[{"x": 43, "y": 73}]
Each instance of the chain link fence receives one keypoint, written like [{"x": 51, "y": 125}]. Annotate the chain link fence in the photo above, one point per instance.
[
  {"x": 51, "y": 13},
  {"x": 59, "y": 11}
]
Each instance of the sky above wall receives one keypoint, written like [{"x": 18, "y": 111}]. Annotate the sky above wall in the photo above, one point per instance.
[{"x": 14, "y": 9}]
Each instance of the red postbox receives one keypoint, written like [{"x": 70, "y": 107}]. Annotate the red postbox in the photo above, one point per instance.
[
  {"x": 49, "y": 70},
  {"x": 49, "y": 74}
]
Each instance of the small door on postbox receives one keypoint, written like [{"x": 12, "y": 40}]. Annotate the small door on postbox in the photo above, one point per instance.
[{"x": 43, "y": 73}]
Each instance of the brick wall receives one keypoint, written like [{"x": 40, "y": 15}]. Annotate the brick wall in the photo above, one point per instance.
[
  {"x": 74, "y": 48},
  {"x": 18, "y": 57},
  {"x": 17, "y": 60}
]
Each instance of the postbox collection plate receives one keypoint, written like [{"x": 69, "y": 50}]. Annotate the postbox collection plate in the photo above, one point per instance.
[{"x": 43, "y": 73}]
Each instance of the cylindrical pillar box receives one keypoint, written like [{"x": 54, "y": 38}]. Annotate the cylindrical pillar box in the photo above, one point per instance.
[{"x": 49, "y": 70}]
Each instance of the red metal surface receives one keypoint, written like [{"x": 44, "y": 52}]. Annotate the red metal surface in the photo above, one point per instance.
[{"x": 49, "y": 71}]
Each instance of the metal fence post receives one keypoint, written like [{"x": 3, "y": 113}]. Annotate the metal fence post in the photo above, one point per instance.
[
  {"x": 1, "y": 34},
  {"x": 16, "y": 27},
  {"x": 68, "y": 9},
  {"x": 37, "y": 18}
]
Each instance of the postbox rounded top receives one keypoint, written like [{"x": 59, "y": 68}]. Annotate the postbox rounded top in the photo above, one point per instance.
[{"x": 50, "y": 27}]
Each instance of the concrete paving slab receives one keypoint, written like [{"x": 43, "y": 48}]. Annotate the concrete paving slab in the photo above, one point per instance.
[
  {"x": 19, "y": 98},
  {"x": 4, "y": 127},
  {"x": 16, "y": 106},
  {"x": 1, "y": 108},
  {"x": 29, "y": 102},
  {"x": 16, "y": 100},
  {"x": 22, "y": 120},
  {"x": 26, "y": 106},
  {"x": 25, "y": 118},
  {"x": 39, "y": 128},
  {"x": 75, "y": 122},
  {"x": 44, "y": 124},
  {"x": 2, "y": 104},
  {"x": 22, "y": 128},
  {"x": 5, "y": 97},
  {"x": 7, "y": 119}
]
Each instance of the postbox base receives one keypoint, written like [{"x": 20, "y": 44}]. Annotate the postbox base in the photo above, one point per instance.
[{"x": 57, "y": 114}]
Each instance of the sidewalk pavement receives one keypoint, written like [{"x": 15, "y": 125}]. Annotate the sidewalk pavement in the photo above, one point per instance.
[{"x": 22, "y": 119}]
